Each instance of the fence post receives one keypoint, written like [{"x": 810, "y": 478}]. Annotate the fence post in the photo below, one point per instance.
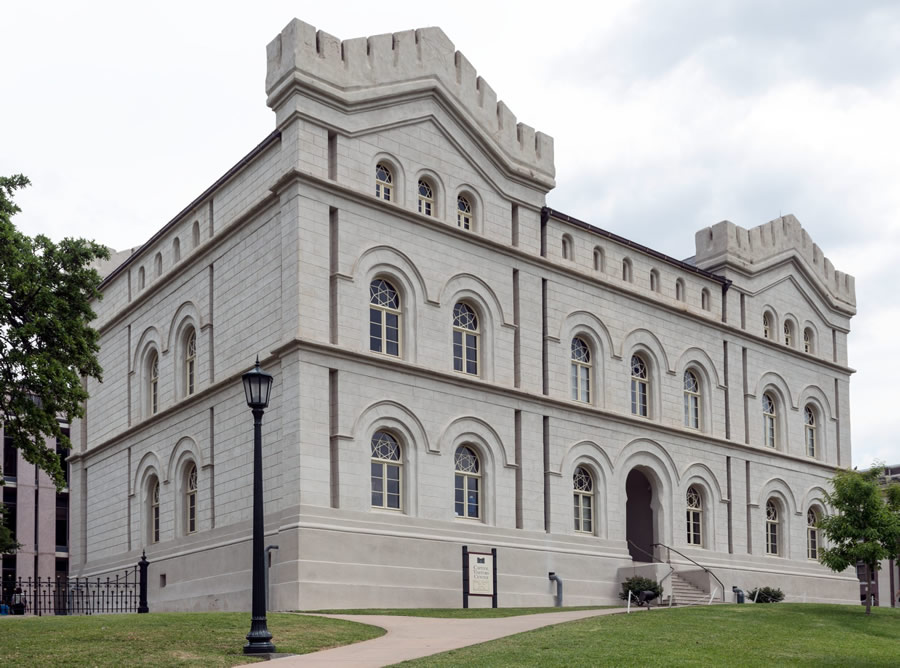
[{"x": 143, "y": 564}]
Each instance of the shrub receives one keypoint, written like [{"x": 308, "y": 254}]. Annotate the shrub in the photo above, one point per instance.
[
  {"x": 766, "y": 595},
  {"x": 637, "y": 584}
]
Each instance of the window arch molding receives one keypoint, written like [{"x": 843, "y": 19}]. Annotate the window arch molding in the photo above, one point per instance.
[
  {"x": 774, "y": 325},
  {"x": 627, "y": 270},
  {"x": 599, "y": 259},
  {"x": 147, "y": 471},
  {"x": 186, "y": 463},
  {"x": 590, "y": 462},
  {"x": 176, "y": 250},
  {"x": 568, "y": 247},
  {"x": 817, "y": 540},
  {"x": 809, "y": 339},
  {"x": 705, "y": 301},
  {"x": 790, "y": 333},
  {"x": 654, "y": 281},
  {"x": 680, "y": 290},
  {"x": 477, "y": 214},
  {"x": 439, "y": 196},
  {"x": 782, "y": 522},
  {"x": 704, "y": 369},
  {"x": 701, "y": 478},
  {"x": 778, "y": 490},
  {"x": 495, "y": 462},
  {"x": 645, "y": 345},
  {"x": 147, "y": 377},
  {"x": 398, "y": 192},
  {"x": 591, "y": 329},
  {"x": 195, "y": 234},
  {"x": 487, "y": 484},
  {"x": 491, "y": 322},
  {"x": 404, "y": 437}
]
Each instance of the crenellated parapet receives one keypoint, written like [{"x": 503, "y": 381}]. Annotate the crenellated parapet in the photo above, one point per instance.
[
  {"x": 756, "y": 249},
  {"x": 367, "y": 70}
]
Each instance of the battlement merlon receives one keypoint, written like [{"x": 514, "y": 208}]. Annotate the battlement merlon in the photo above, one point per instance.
[
  {"x": 363, "y": 70},
  {"x": 756, "y": 249}
]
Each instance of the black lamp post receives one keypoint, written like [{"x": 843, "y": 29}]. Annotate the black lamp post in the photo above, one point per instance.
[{"x": 257, "y": 387}]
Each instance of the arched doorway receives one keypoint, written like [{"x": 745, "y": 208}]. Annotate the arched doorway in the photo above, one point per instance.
[{"x": 639, "y": 523}]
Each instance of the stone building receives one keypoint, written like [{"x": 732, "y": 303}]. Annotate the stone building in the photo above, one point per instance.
[{"x": 455, "y": 364}]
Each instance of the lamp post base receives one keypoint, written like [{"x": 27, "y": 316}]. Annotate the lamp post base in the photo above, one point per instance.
[{"x": 259, "y": 640}]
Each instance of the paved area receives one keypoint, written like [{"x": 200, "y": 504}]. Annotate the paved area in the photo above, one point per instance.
[{"x": 414, "y": 637}]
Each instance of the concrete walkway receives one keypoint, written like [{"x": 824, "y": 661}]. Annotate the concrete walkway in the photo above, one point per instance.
[{"x": 414, "y": 637}]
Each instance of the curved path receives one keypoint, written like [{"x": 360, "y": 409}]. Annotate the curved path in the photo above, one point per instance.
[{"x": 414, "y": 637}]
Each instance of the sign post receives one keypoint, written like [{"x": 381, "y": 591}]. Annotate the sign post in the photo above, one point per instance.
[{"x": 479, "y": 573}]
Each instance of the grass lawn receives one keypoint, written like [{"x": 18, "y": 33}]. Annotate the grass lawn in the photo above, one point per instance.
[
  {"x": 455, "y": 613},
  {"x": 747, "y": 635},
  {"x": 163, "y": 639}
]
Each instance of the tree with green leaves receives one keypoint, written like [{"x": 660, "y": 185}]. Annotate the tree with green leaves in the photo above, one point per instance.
[
  {"x": 866, "y": 524},
  {"x": 47, "y": 345}
]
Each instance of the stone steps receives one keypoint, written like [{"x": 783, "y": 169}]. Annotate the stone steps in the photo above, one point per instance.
[{"x": 684, "y": 593}]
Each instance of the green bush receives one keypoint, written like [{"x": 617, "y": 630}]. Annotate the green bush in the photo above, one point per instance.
[
  {"x": 766, "y": 595},
  {"x": 638, "y": 584}
]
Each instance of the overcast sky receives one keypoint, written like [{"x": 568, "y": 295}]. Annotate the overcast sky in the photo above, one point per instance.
[{"x": 667, "y": 117}]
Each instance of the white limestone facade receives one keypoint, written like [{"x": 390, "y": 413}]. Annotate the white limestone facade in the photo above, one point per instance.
[{"x": 278, "y": 258}]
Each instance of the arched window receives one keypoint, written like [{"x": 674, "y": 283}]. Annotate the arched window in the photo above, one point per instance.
[
  {"x": 467, "y": 485},
  {"x": 691, "y": 400},
  {"x": 639, "y": 384},
  {"x": 195, "y": 234},
  {"x": 767, "y": 326},
  {"x": 190, "y": 362},
  {"x": 812, "y": 535},
  {"x": 176, "y": 249},
  {"x": 694, "y": 516},
  {"x": 386, "y": 471},
  {"x": 581, "y": 370},
  {"x": 463, "y": 213},
  {"x": 789, "y": 333},
  {"x": 384, "y": 182},
  {"x": 190, "y": 500},
  {"x": 809, "y": 431},
  {"x": 141, "y": 280},
  {"x": 704, "y": 299},
  {"x": 465, "y": 339},
  {"x": 626, "y": 270},
  {"x": 154, "y": 511},
  {"x": 771, "y": 528},
  {"x": 153, "y": 383},
  {"x": 769, "y": 426},
  {"x": 679, "y": 290},
  {"x": 157, "y": 263},
  {"x": 808, "y": 341},
  {"x": 654, "y": 280},
  {"x": 583, "y": 484},
  {"x": 384, "y": 318},
  {"x": 566, "y": 247},
  {"x": 599, "y": 259},
  {"x": 426, "y": 198}
]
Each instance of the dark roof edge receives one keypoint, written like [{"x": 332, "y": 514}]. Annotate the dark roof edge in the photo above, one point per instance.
[
  {"x": 632, "y": 244},
  {"x": 259, "y": 148}
]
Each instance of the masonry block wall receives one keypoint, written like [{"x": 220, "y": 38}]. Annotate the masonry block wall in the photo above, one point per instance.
[{"x": 277, "y": 258}]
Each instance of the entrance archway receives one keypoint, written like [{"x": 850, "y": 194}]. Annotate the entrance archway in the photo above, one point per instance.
[{"x": 639, "y": 521}]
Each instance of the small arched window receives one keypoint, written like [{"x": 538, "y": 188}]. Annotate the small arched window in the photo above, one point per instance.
[
  {"x": 789, "y": 333},
  {"x": 694, "y": 516},
  {"x": 640, "y": 379},
  {"x": 581, "y": 370},
  {"x": 566, "y": 247},
  {"x": 190, "y": 500},
  {"x": 384, "y": 318},
  {"x": 384, "y": 182},
  {"x": 599, "y": 259},
  {"x": 176, "y": 249},
  {"x": 679, "y": 290},
  {"x": 808, "y": 341},
  {"x": 195, "y": 234},
  {"x": 691, "y": 400},
  {"x": 463, "y": 213},
  {"x": 769, "y": 416},
  {"x": 704, "y": 299},
  {"x": 154, "y": 511},
  {"x": 767, "y": 326},
  {"x": 141, "y": 280},
  {"x": 654, "y": 280},
  {"x": 157, "y": 263},
  {"x": 190, "y": 362},
  {"x": 812, "y": 535},
  {"x": 626, "y": 271},
  {"x": 809, "y": 431},
  {"x": 386, "y": 471},
  {"x": 466, "y": 337},
  {"x": 583, "y": 484},
  {"x": 426, "y": 198},
  {"x": 153, "y": 383},
  {"x": 772, "y": 528},
  {"x": 467, "y": 485}
]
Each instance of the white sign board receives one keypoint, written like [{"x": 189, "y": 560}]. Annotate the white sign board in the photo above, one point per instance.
[{"x": 481, "y": 574}]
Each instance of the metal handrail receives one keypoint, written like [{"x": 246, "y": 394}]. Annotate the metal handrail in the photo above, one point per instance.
[
  {"x": 654, "y": 558},
  {"x": 672, "y": 549}
]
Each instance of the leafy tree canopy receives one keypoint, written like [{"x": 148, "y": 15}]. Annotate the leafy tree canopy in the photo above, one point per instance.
[
  {"x": 866, "y": 524},
  {"x": 46, "y": 343}
]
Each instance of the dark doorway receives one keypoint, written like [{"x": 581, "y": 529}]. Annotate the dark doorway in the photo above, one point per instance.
[{"x": 639, "y": 516}]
